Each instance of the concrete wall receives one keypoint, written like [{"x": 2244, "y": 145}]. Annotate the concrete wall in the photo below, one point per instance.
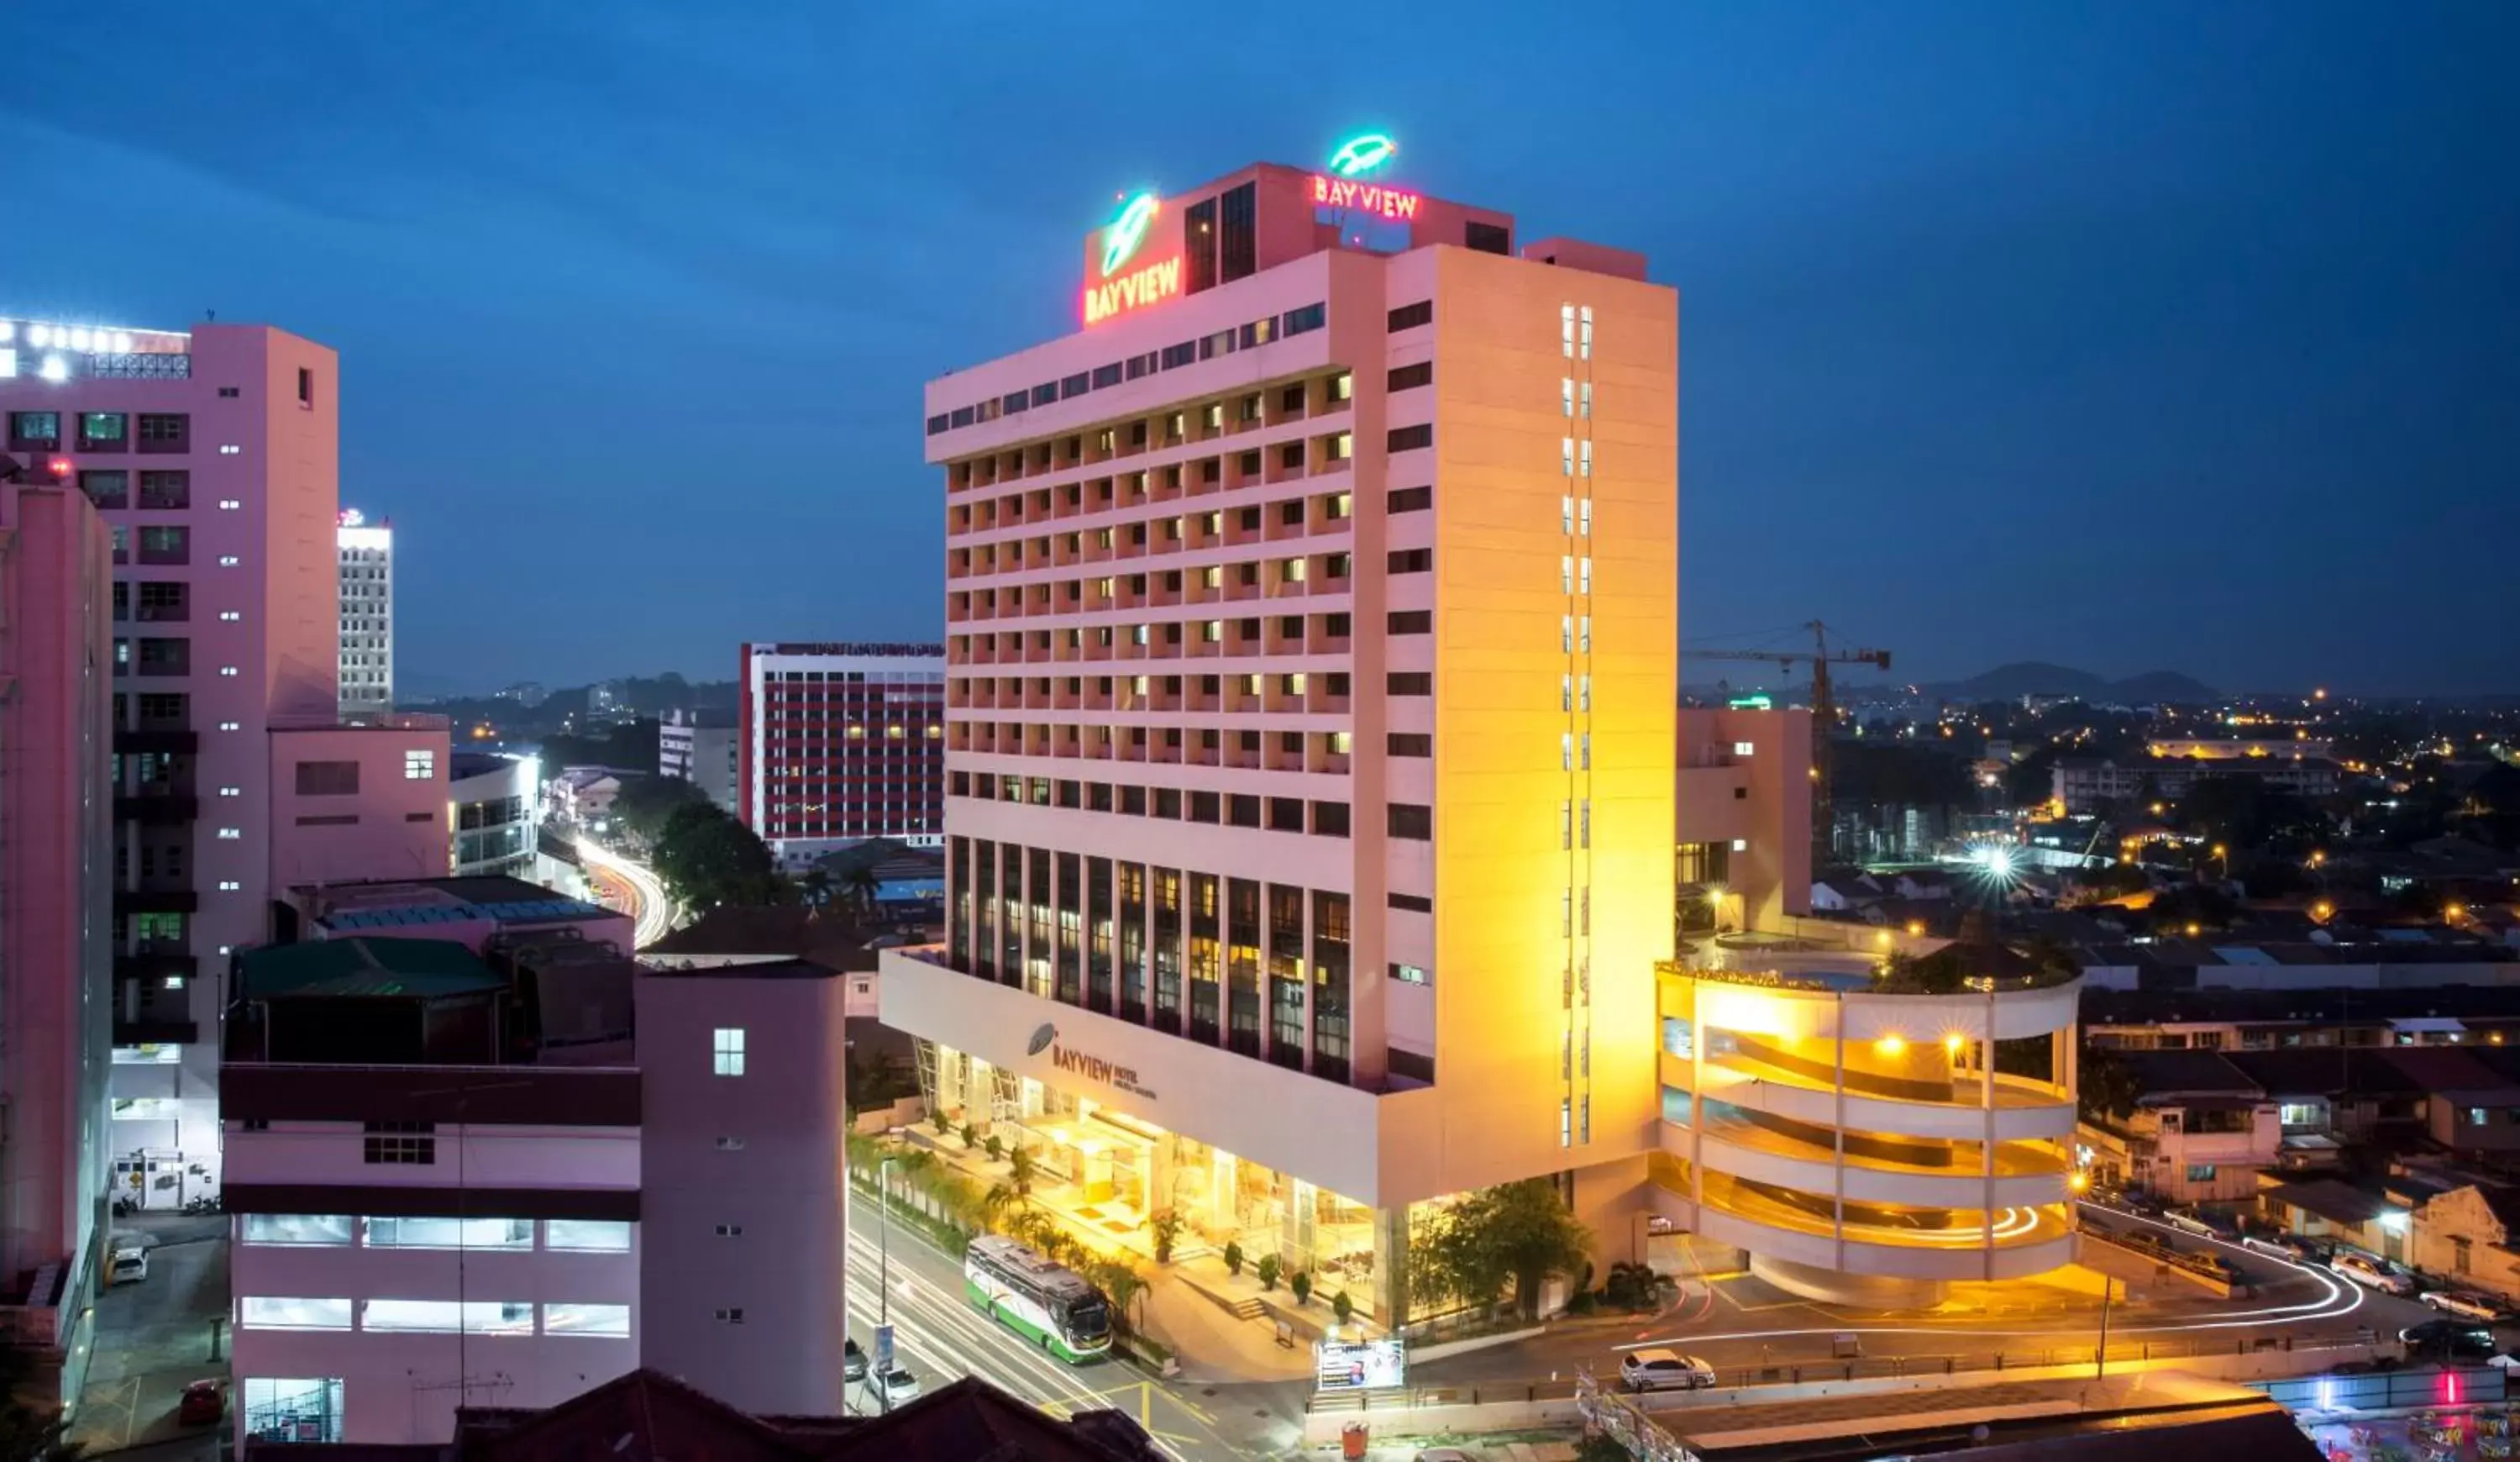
[{"x": 399, "y": 810}]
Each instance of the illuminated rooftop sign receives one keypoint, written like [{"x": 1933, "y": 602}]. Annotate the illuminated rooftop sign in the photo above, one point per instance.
[
  {"x": 1368, "y": 198},
  {"x": 1359, "y": 155},
  {"x": 1121, "y": 240},
  {"x": 1134, "y": 290}
]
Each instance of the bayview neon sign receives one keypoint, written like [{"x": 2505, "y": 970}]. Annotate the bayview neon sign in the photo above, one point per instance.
[
  {"x": 1120, "y": 241},
  {"x": 1118, "y": 293},
  {"x": 1350, "y": 196}
]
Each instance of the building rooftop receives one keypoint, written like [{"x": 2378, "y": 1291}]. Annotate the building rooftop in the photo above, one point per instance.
[
  {"x": 2459, "y": 1005},
  {"x": 422, "y": 969},
  {"x": 2331, "y": 1199},
  {"x": 2170, "y": 1074},
  {"x": 2361, "y": 1071},
  {"x": 407, "y": 902}
]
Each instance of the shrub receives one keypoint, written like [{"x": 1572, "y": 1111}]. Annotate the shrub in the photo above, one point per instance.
[
  {"x": 1167, "y": 1226},
  {"x": 940, "y": 1122},
  {"x": 1233, "y": 1257},
  {"x": 1269, "y": 1269},
  {"x": 997, "y": 1149},
  {"x": 971, "y": 1136},
  {"x": 1342, "y": 1306},
  {"x": 1302, "y": 1285}
]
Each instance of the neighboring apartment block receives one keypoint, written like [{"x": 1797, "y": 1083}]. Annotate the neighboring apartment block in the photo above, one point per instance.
[
  {"x": 841, "y": 742},
  {"x": 367, "y": 613},
  {"x": 56, "y": 898},
  {"x": 700, "y": 748},
  {"x": 1310, "y": 720}
]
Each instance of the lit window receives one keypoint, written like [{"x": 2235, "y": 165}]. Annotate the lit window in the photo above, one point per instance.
[
  {"x": 419, "y": 765},
  {"x": 230, "y": 726},
  {"x": 1584, "y": 634},
  {"x": 1565, "y": 574},
  {"x": 1586, "y": 582},
  {"x": 1566, "y": 455},
  {"x": 230, "y": 792},
  {"x": 227, "y": 561},
  {"x": 229, "y": 670},
  {"x": 592, "y": 1235},
  {"x": 229, "y": 449},
  {"x": 586, "y": 1320},
  {"x": 1585, "y": 339},
  {"x": 727, "y": 1050},
  {"x": 1566, "y": 394},
  {"x": 332, "y": 1229},
  {"x": 1740, "y": 844},
  {"x": 229, "y": 886},
  {"x": 1584, "y": 518},
  {"x": 1565, "y": 1123},
  {"x": 230, "y": 835},
  {"x": 261, "y": 1312},
  {"x": 1587, "y": 401},
  {"x": 229, "y": 505},
  {"x": 230, "y": 616},
  {"x": 1583, "y": 456},
  {"x": 450, "y": 1233},
  {"x": 1743, "y": 747}
]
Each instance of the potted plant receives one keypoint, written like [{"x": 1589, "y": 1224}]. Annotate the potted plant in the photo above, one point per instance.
[
  {"x": 1269, "y": 1269},
  {"x": 1233, "y": 1257},
  {"x": 997, "y": 1148},
  {"x": 1342, "y": 1308},
  {"x": 971, "y": 1136},
  {"x": 1302, "y": 1284},
  {"x": 1167, "y": 1226}
]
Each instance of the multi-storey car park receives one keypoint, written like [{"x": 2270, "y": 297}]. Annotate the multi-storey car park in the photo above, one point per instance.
[{"x": 1311, "y": 725}]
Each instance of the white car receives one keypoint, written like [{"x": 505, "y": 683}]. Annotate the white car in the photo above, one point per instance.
[
  {"x": 2370, "y": 1274},
  {"x": 1664, "y": 1370},
  {"x": 127, "y": 1267},
  {"x": 2464, "y": 1306},
  {"x": 894, "y": 1386}
]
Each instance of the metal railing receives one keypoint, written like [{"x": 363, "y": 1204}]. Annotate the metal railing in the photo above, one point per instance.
[{"x": 1860, "y": 1368}]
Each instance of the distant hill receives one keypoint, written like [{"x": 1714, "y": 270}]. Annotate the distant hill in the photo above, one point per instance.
[{"x": 2036, "y": 678}]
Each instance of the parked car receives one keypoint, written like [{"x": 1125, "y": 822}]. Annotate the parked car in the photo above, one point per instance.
[
  {"x": 2463, "y": 1304},
  {"x": 203, "y": 1404},
  {"x": 1664, "y": 1370},
  {"x": 2187, "y": 1221},
  {"x": 2449, "y": 1338},
  {"x": 2278, "y": 1245},
  {"x": 895, "y": 1385},
  {"x": 2141, "y": 1203},
  {"x": 853, "y": 1361},
  {"x": 2371, "y": 1274},
  {"x": 127, "y": 1267}
]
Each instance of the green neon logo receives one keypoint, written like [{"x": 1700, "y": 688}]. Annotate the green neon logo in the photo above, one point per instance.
[
  {"x": 1121, "y": 240},
  {"x": 1361, "y": 155}
]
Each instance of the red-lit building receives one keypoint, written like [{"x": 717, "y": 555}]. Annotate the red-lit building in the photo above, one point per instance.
[{"x": 839, "y": 742}]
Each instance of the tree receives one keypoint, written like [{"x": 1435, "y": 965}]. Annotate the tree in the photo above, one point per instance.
[
  {"x": 1603, "y": 1447},
  {"x": 1342, "y": 1306},
  {"x": 2106, "y": 1088},
  {"x": 1515, "y": 1233},
  {"x": 815, "y": 888},
  {"x": 646, "y": 804},
  {"x": 996, "y": 1145},
  {"x": 1019, "y": 1172},
  {"x": 863, "y": 887},
  {"x": 709, "y": 858},
  {"x": 1940, "y": 972},
  {"x": 30, "y": 1433},
  {"x": 971, "y": 1136}
]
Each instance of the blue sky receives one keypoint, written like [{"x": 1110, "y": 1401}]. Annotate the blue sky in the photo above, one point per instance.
[{"x": 2129, "y": 335}]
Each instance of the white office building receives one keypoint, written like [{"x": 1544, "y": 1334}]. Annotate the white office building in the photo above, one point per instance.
[{"x": 367, "y": 613}]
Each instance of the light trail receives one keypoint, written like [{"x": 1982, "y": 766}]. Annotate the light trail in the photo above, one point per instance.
[{"x": 655, "y": 917}]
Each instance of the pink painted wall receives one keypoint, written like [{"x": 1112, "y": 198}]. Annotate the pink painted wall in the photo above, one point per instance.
[
  {"x": 56, "y": 873},
  {"x": 399, "y": 810},
  {"x": 1763, "y": 798}
]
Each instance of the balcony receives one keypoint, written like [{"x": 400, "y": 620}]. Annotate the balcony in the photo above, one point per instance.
[
  {"x": 157, "y": 898},
  {"x": 157, "y": 809},
  {"x": 155, "y": 967},
  {"x": 163, "y": 740}
]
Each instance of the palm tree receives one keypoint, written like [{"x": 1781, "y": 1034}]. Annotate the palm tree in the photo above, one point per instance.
[
  {"x": 816, "y": 885},
  {"x": 863, "y": 887}
]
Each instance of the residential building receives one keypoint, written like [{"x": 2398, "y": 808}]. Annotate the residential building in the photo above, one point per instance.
[
  {"x": 583, "y": 795},
  {"x": 2235, "y": 748},
  {"x": 2283, "y": 1018},
  {"x": 1310, "y": 722},
  {"x": 367, "y": 613},
  {"x": 1744, "y": 809},
  {"x": 2201, "y": 1131},
  {"x": 700, "y": 747},
  {"x": 497, "y": 802},
  {"x": 2331, "y": 960},
  {"x": 58, "y": 896},
  {"x": 457, "y": 1179},
  {"x": 213, "y": 457},
  {"x": 358, "y": 799},
  {"x": 2082, "y": 782},
  {"x": 841, "y": 742},
  {"x": 654, "y": 1413}
]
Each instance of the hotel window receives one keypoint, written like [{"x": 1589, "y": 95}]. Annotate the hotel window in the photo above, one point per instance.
[
  {"x": 1305, "y": 320},
  {"x": 263, "y": 1312},
  {"x": 1412, "y": 821},
  {"x": 1238, "y": 250},
  {"x": 1409, "y": 744},
  {"x": 1583, "y": 517},
  {"x": 586, "y": 1320},
  {"x": 450, "y": 1233},
  {"x": 1583, "y": 457},
  {"x": 1566, "y": 394},
  {"x": 1409, "y": 439},
  {"x": 1566, "y": 329},
  {"x": 588, "y": 1235},
  {"x": 1411, "y": 316},
  {"x": 726, "y": 1051},
  {"x": 419, "y": 765},
  {"x": 1584, "y": 633},
  {"x": 1584, "y": 580},
  {"x": 1566, "y": 455},
  {"x": 1565, "y": 1122},
  {"x": 1744, "y": 748},
  {"x": 1585, "y": 341},
  {"x": 1585, "y": 401},
  {"x": 1411, "y": 377},
  {"x": 309, "y": 1229}
]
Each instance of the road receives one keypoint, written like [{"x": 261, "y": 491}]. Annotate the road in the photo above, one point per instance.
[
  {"x": 1742, "y": 1321},
  {"x": 651, "y": 906},
  {"x": 939, "y": 1336}
]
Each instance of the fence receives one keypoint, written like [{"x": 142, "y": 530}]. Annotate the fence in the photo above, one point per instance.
[
  {"x": 1866, "y": 1368},
  {"x": 2383, "y": 1390}
]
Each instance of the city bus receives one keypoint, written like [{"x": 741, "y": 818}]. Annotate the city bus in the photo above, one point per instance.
[{"x": 1040, "y": 1300}]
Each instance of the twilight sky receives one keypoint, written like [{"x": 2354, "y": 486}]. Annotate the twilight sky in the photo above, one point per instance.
[{"x": 2128, "y": 334}]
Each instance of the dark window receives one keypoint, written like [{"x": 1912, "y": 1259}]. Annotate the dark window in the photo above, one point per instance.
[
  {"x": 1486, "y": 238},
  {"x": 1410, "y": 559},
  {"x": 1044, "y": 395},
  {"x": 1016, "y": 400},
  {"x": 165, "y": 432},
  {"x": 338, "y": 820},
  {"x": 1411, "y": 316},
  {"x": 935, "y": 425},
  {"x": 1409, "y": 438},
  {"x": 1098, "y": 797},
  {"x": 328, "y": 779},
  {"x": 1411, "y": 377},
  {"x": 1410, "y": 499},
  {"x": 1239, "y": 243},
  {"x": 1198, "y": 241},
  {"x": 1409, "y": 683},
  {"x": 1409, "y": 744},
  {"x": 1416, "y": 1066},
  {"x": 1302, "y": 321},
  {"x": 1330, "y": 819},
  {"x": 1285, "y": 815},
  {"x": 35, "y": 429},
  {"x": 165, "y": 489},
  {"x": 1412, "y": 821},
  {"x": 1140, "y": 365},
  {"x": 1133, "y": 801},
  {"x": 1070, "y": 795},
  {"x": 1412, "y": 902},
  {"x": 1258, "y": 333},
  {"x": 305, "y": 387},
  {"x": 1203, "y": 806},
  {"x": 420, "y": 817},
  {"x": 1411, "y": 622},
  {"x": 1106, "y": 375},
  {"x": 1168, "y": 803},
  {"x": 401, "y": 1142},
  {"x": 1185, "y": 353},
  {"x": 1075, "y": 385},
  {"x": 1243, "y": 810},
  {"x": 106, "y": 490},
  {"x": 963, "y": 416}
]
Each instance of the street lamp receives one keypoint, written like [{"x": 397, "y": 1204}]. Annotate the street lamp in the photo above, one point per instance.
[{"x": 880, "y": 1364}]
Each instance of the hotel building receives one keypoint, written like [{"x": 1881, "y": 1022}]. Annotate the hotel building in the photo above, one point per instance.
[
  {"x": 213, "y": 457},
  {"x": 367, "y": 613},
  {"x": 1310, "y": 721},
  {"x": 838, "y": 744}
]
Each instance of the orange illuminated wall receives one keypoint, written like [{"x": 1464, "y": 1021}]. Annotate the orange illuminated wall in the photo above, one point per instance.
[{"x": 1512, "y": 1040}]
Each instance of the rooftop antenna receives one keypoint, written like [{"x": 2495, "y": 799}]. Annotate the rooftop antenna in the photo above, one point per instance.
[{"x": 212, "y": 315}]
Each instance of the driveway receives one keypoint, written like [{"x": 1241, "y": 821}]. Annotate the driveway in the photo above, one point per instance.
[{"x": 154, "y": 1338}]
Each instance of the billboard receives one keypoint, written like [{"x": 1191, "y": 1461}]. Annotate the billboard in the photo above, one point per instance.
[{"x": 1358, "y": 1365}]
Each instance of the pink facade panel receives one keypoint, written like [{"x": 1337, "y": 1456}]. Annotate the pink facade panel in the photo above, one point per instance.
[{"x": 352, "y": 804}]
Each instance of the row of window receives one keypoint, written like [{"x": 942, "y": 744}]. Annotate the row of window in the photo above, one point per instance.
[
  {"x": 1276, "y": 814},
  {"x": 1247, "y": 337},
  {"x": 336, "y": 1230},
  {"x": 432, "y": 1316},
  {"x": 1296, "y": 401},
  {"x": 1293, "y": 517},
  {"x": 100, "y": 431},
  {"x": 1225, "y": 962}
]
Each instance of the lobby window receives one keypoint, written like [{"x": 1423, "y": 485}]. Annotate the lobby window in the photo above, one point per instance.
[
  {"x": 419, "y": 765},
  {"x": 726, "y": 1051}
]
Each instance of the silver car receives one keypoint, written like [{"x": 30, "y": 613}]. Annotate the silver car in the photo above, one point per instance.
[{"x": 1664, "y": 1370}]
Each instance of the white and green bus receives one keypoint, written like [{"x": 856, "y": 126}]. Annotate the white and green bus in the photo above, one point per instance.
[{"x": 1039, "y": 1299}]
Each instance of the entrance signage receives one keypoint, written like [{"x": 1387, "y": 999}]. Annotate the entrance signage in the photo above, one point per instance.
[
  {"x": 1358, "y": 1365},
  {"x": 1095, "y": 1069}
]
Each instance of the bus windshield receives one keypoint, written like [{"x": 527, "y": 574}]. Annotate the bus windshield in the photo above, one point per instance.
[{"x": 1088, "y": 1318}]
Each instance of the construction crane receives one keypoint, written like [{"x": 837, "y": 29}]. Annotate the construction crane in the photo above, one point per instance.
[{"x": 1824, "y": 709}]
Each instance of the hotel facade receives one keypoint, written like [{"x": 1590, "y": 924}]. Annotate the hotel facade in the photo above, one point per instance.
[{"x": 1311, "y": 727}]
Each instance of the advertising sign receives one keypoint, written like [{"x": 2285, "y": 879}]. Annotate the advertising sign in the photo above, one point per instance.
[{"x": 1360, "y": 1365}]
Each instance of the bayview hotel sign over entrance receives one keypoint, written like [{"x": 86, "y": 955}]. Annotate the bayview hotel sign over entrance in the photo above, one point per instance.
[{"x": 1151, "y": 251}]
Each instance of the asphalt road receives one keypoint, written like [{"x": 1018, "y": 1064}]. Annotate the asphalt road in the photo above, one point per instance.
[
  {"x": 649, "y": 905},
  {"x": 939, "y": 1336}
]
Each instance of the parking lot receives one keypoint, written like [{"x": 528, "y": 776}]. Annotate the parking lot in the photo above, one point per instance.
[{"x": 154, "y": 1337}]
